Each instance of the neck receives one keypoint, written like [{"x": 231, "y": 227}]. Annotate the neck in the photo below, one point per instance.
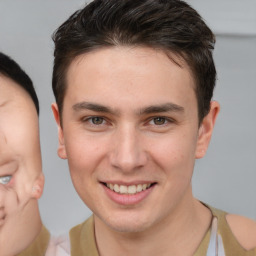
[
  {"x": 180, "y": 233},
  {"x": 20, "y": 229}
]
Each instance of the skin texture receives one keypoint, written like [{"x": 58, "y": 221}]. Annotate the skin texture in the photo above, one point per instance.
[
  {"x": 113, "y": 131},
  {"x": 20, "y": 159},
  {"x": 244, "y": 230}
]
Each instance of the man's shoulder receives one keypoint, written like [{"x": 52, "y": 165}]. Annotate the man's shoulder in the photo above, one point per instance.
[
  {"x": 244, "y": 230},
  {"x": 238, "y": 232}
]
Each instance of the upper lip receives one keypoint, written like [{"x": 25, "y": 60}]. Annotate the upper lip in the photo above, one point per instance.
[{"x": 125, "y": 183}]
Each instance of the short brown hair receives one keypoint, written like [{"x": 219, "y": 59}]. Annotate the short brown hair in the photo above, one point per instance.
[{"x": 170, "y": 25}]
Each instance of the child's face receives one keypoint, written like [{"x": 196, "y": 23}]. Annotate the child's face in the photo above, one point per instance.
[{"x": 20, "y": 160}]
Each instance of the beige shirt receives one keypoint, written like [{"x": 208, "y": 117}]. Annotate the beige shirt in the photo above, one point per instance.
[
  {"x": 83, "y": 242},
  {"x": 39, "y": 245},
  {"x": 45, "y": 245}
]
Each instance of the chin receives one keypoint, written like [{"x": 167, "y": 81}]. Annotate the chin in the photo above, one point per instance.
[
  {"x": 126, "y": 224},
  {"x": 126, "y": 228}
]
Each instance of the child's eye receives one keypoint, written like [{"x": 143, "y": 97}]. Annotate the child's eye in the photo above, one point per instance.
[{"x": 5, "y": 179}]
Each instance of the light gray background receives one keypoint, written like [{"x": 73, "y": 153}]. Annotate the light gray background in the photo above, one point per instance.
[{"x": 225, "y": 178}]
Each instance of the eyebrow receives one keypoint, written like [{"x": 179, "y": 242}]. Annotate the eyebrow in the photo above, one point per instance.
[
  {"x": 92, "y": 106},
  {"x": 162, "y": 108}
]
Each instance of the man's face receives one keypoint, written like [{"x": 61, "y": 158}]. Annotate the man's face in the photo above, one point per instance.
[
  {"x": 130, "y": 134},
  {"x": 20, "y": 162}
]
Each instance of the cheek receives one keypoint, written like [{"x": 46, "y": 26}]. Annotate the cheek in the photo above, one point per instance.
[
  {"x": 84, "y": 155},
  {"x": 11, "y": 202},
  {"x": 8, "y": 200},
  {"x": 23, "y": 183},
  {"x": 175, "y": 151},
  {"x": 176, "y": 159},
  {"x": 83, "y": 159}
]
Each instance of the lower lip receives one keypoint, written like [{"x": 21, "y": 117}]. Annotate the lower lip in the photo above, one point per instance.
[{"x": 127, "y": 199}]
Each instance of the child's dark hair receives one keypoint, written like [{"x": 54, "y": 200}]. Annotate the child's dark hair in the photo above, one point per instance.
[{"x": 10, "y": 69}]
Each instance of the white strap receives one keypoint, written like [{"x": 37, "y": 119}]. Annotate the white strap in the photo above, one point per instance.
[
  {"x": 59, "y": 246},
  {"x": 221, "y": 251},
  {"x": 215, "y": 247}
]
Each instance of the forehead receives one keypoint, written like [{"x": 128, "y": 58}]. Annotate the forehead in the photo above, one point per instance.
[
  {"x": 122, "y": 72},
  {"x": 19, "y": 129},
  {"x": 12, "y": 94}
]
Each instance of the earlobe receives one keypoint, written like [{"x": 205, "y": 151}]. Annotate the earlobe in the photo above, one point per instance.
[
  {"x": 206, "y": 130},
  {"x": 61, "y": 149},
  {"x": 38, "y": 187}
]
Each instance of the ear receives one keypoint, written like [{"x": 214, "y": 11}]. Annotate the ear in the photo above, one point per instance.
[
  {"x": 206, "y": 129},
  {"x": 61, "y": 149},
  {"x": 38, "y": 187}
]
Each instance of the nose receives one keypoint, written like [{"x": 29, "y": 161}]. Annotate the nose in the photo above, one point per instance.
[{"x": 128, "y": 152}]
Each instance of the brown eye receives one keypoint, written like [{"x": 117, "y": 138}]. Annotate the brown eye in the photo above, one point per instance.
[
  {"x": 97, "y": 120},
  {"x": 159, "y": 120}
]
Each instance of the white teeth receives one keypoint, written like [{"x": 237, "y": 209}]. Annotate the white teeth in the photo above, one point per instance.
[
  {"x": 116, "y": 188},
  {"x": 133, "y": 189},
  {"x": 123, "y": 189},
  {"x": 144, "y": 186},
  {"x": 139, "y": 188}
]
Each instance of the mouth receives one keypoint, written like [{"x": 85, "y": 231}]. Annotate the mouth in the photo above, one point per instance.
[
  {"x": 129, "y": 190},
  {"x": 128, "y": 194}
]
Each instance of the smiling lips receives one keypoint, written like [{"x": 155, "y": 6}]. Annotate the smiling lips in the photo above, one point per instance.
[
  {"x": 128, "y": 194},
  {"x": 131, "y": 190}
]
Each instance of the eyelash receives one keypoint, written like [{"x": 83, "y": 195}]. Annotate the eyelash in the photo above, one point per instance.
[
  {"x": 162, "y": 118},
  {"x": 165, "y": 123},
  {"x": 103, "y": 120},
  {"x": 91, "y": 118},
  {"x": 4, "y": 180}
]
